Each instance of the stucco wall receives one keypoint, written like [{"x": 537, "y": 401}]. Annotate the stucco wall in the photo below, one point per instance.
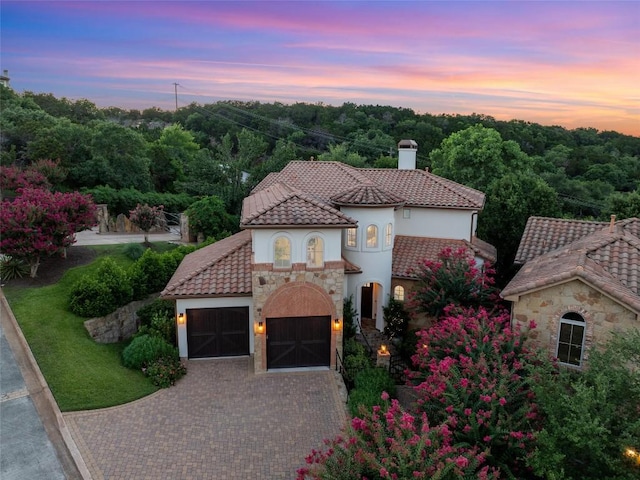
[
  {"x": 264, "y": 238},
  {"x": 436, "y": 222},
  {"x": 602, "y": 314}
]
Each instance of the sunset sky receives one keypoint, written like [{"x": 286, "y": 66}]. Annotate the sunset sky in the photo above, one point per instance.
[{"x": 575, "y": 64}]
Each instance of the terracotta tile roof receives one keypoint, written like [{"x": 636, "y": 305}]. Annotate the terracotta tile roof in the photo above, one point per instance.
[
  {"x": 608, "y": 259},
  {"x": 283, "y": 205},
  {"x": 543, "y": 234},
  {"x": 419, "y": 188},
  {"x": 370, "y": 195},
  {"x": 220, "y": 269},
  {"x": 351, "y": 267},
  {"x": 410, "y": 251}
]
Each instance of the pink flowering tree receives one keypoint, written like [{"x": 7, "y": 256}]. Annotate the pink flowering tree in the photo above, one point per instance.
[
  {"x": 473, "y": 374},
  {"x": 453, "y": 279},
  {"x": 145, "y": 218},
  {"x": 39, "y": 223},
  {"x": 390, "y": 443}
]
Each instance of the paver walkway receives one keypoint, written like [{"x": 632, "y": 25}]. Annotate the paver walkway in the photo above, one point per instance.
[{"x": 221, "y": 421}]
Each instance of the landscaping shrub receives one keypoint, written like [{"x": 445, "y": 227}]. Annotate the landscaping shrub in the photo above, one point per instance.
[
  {"x": 116, "y": 280},
  {"x": 369, "y": 385},
  {"x": 124, "y": 200},
  {"x": 134, "y": 251},
  {"x": 91, "y": 298},
  {"x": 148, "y": 275},
  {"x": 145, "y": 349},
  {"x": 11, "y": 267},
  {"x": 158, "y": 307},
  {"x": 349, "y": 319},
  {"x": 356, "y": 358},
  {"x": 209, "y": 216},
  {"x": 164, "y": 371},
  {"x": 396, "y": 319},
  {"x": 162, "y": 326}
]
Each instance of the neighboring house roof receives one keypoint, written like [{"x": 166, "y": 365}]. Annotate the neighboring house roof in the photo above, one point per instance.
[
  {"x": 408, "y": 252},
  {"x": 220, "y": 269},
  {"x": 418, "y": 188},
  {"x": 608, "y": 259},
  {"x": 543, "y": 234},
  {"x": 283, "y": 206}
]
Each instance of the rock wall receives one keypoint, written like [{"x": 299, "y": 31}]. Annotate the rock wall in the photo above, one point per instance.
[{"x": 119, "y": 325}]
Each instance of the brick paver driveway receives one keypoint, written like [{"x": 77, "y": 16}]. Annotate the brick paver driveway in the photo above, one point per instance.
[{"x": 221, "y": 421}]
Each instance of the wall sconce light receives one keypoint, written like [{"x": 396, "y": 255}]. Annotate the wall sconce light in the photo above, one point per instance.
[
  {"x": 260, "y": 328},
  {"x": 181, "y": 318},
  {"x": 383, "y": 350},
  {"x": 336, "y": 324}
]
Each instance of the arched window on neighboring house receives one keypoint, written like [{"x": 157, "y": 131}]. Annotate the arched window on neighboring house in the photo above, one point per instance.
[
  {"x": 398, "y": 293},
  {"x": 315, "y": 252},
  {"x": 571, "y": 336},
  {"x": 372, "y": 236},
  {"x": 282, "y": 252}
]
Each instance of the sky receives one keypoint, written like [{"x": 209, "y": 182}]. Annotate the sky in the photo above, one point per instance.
[{"x": 574, "y": 64}]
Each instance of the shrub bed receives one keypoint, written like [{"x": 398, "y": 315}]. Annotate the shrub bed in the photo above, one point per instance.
[{"x": 369, "y": 385}]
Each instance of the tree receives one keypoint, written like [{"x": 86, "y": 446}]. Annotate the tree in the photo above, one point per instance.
[
  {"x": 170, "y": 155},
  {"x": 453, "y": 279},
  {"x": 209, "y": 217},
  {"x": 145, "y": 218},
  {"x": 39, "y": 223},
  {"x": 477, "y": 156}
]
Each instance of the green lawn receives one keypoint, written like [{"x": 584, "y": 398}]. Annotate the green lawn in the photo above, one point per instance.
[{"x": 81, "y": 373}]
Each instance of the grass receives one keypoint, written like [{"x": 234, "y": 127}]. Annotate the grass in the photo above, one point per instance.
[{"x": 81, "y": 373}]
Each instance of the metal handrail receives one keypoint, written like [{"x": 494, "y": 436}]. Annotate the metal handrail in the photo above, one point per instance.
[{"x": 364, "y": 337}]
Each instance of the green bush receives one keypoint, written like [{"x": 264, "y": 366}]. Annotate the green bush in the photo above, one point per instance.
[
  {"x": 396, "y": 319},
  {"x": 369, "y": 385},
  {"x": 134, "y": 251},
  {"x": 145, "y": 349},
  {"x": 209, "y": 217},
  {"x": 164, "y": 371},
  {"x": 148, "y": 275},
  {"x": 124, "y": 200},
  {"x": 117, "y": 281},
  {"x": 91, "y": 298},
  {"x": 356, "y": 359},
  {"x": 158, "y": 307},
  {"x": 161, "y": 326},
  {"x": 349, "y": 318},
  {"x": 11, "y": 267}
]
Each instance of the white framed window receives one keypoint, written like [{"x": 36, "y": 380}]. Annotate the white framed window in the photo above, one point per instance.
[
  {"x": 352, "y": 237},
  {"x": 315, "y": 252},
  {"x": 372, "y": 236},
  {"x": 282, "y": 252},
  {"x": 571, "y": 335},
  {"x": 398, "y": 293},
  {"x": 406, "y": 213},
  {"x": 388, "y": 235}
]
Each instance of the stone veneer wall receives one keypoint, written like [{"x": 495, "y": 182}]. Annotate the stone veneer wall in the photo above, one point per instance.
[
  {"x": 419, "y": 321},
  {"x": 602, "y": 315},
  {"x": 119, "y": 325},
  {"x": 304, "y": 290}
]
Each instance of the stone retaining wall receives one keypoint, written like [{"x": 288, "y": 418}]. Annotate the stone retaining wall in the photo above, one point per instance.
[{"x": 119, "y": 325}]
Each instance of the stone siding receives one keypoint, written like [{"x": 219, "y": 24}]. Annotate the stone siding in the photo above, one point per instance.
[
  {"x": 295, "y": 292},
  {"x": 119, "y": 325},
  {"x": 602, "y": 314}
]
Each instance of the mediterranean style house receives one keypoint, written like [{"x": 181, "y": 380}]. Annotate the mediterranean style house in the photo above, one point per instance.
[
  {"x": 312, "y": 235},
  {"x": 580, "y": 281}
]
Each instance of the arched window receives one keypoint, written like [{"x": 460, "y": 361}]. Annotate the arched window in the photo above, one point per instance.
[
  {"x": 571, "y": 339},
  {"x": 282, "y": 252},
  {"x": 398, "y": 293},
  {"x": 352, "y": 237},
  {"x": 372, "y": 236},
  {"x": 315, "y": 252},
  {"x": 388, "y": 235}
]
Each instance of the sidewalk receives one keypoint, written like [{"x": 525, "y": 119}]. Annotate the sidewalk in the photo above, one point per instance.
[
  {"x": 34, "y": 439},
  {"x": 92, "y": 237}
]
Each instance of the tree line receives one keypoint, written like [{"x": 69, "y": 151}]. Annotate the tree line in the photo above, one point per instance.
[{"x": 225, "y": 148}]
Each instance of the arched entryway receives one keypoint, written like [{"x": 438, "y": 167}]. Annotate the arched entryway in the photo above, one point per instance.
[{"x": 369, "y": 303}]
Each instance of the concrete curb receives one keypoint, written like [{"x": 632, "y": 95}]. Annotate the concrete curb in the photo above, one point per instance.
[{"x": 70, "y": 457}]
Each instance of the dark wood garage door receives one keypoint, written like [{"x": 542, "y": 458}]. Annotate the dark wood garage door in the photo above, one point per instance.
[
  {"x": 218, "y": 332},
  {"x": 298, "y": 342}
]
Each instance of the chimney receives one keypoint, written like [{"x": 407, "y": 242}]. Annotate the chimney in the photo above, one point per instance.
[
  {"x": 612, "y": 224},
  {"x": 407, "y": 151}
]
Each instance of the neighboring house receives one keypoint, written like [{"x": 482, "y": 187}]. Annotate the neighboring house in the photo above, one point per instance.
[
  {"x": 312, "y": 235},
  {"x": 580, "y": 281}
]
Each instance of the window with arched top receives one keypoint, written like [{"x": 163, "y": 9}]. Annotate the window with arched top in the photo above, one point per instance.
[
  {"x": 372, "y": 236},
  {"x": 398, "y": 293},
  {"x": 282, "y": 252},
  {"x": 315, "y": 252},
  {"x": 571, "y": 336},
  {"x": 352, "y": 237},
  {"x": 388, "y": 235}
]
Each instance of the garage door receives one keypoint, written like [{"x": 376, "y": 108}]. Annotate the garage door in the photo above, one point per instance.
[
  {"x": 218, "y": 332},
  {"x": 298, "y": 342}
]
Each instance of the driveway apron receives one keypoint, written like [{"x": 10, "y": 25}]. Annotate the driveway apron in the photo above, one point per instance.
[{"x": 221, "y": 421}]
